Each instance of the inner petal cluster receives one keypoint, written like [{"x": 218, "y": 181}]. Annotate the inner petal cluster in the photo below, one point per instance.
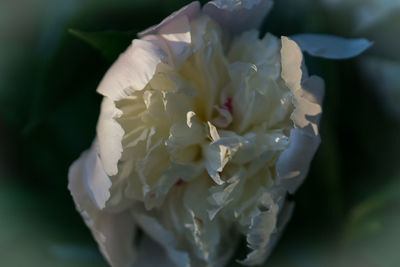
[{"x": 201, "y": 140}]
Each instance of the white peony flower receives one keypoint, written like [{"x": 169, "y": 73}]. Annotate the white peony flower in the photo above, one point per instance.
[{"x": 204, "y": 129}]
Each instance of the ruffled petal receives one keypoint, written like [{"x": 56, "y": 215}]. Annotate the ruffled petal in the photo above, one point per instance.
[
  {"x": 263, "y": 225},
  {"x": 262, "y": 235},
  {"x": 110, "y": 134},
  {"x": 292, "y": 165},
  {"x": 331, "y": 47},
  {"x": 237, "y": 16},
  {"x": 133, "y": 69},
  {"x": 114, "y": 233}
]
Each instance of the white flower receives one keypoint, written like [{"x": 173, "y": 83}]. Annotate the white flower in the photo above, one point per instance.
[{"x": 204, "y": 129}]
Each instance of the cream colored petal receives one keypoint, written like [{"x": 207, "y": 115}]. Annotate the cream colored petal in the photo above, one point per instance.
[
  {"x": 191, "y": 11},
  {"x": 133, "y": 69},
  {"x": 291, "y": 60},
  {"x": 307, "y": 92},
  {"x": 109, "y": 135},
  {"x": 114, "y": 233},
  {"x": 330, "y": 46},
  {"x": 237, "y": 16}
]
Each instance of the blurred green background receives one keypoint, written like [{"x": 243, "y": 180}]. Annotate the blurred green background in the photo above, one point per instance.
[{"x": 348, "y": 210}]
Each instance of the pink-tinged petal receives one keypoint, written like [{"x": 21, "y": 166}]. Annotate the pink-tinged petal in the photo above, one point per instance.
[
  {"x": 237, "y": 16},
  {"x": 133, "y": 69},
  {"x": 189, "y": 11},
  {"x": 114, "y": 233},
  {"x": 110, "y": 134},
  {"x": 330, "y": 46}
]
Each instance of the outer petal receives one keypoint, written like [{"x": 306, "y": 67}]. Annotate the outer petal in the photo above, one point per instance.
[
  {"x": 95, "y": 179},
  {"x": 114, "y": 233},
  {"x": 110, "y": 134},
  {"x": 292, "y": 165},
  {"x": 237, "y": 16},
  {"x": 190, "y": 11},
  {"x": 133, "y": 69},
  {"x": 151, "y": 254},
  {"x": 332, "y": 47},
  {"x": 165, "y": 238}
]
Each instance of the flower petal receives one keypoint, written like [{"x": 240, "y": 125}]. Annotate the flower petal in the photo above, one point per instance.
[
  {"x": 164, "y": 237},
  {"x": 114, "y": 233},
  {"x": 307, "y": 101},
  {"x": 330, "y": 46},
  {"x": 110, "y": 134},
  {"x": 262, "y": 227},
  {"x": 283, "y": 218},
  {"x": 151, "y": 254},
  {"x": 190, "y": 11},
  {"x": 292, "y": 165},
  {"x": 292, "y": 59},
  {"x": 237, "y": 16},
  {"x": 95, "y": 179},
  {"x": 133, "y": 69}
]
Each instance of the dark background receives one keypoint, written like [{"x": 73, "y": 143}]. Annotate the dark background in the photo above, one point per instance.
[{"x": 348, "y": 210}]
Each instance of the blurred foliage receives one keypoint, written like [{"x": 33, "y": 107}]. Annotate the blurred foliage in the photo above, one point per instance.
[
  {"x": 347, "y": 211},
  {"x": 109, "y": 43}
]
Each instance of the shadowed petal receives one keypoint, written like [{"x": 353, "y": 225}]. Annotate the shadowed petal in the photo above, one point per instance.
[
  {"x": 114, "y": 233},
  {"x": 293, "y": 164},
  {"x": 151, "y": 254}
]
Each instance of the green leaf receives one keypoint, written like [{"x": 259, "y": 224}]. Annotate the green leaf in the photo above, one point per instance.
[{"x": 109, "y": 43}]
